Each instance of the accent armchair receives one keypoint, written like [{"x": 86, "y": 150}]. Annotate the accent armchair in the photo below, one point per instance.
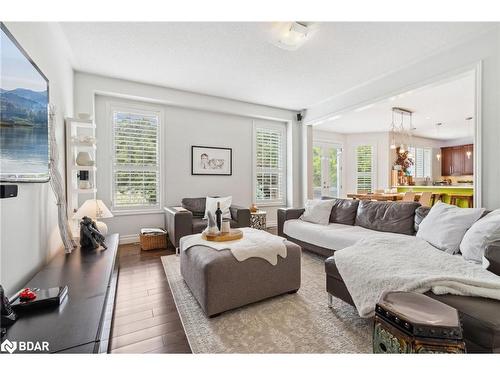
[{"x": 190, "y": 220}]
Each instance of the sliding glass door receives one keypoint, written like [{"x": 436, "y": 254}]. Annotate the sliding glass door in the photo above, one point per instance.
[{"x": 327, "y": 169}]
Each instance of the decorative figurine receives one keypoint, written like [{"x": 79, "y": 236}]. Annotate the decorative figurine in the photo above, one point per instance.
[
  {"x": 212, "y": 225},
  {"x": 90, "y": 237}
]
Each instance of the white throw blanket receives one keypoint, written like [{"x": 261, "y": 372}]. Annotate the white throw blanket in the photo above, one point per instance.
[
  {"x": 254, "y": 244},
  {"x": 372, "y": 266}
]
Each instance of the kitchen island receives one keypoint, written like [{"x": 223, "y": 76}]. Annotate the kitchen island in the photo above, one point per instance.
[{"x": 446, "y": 191}]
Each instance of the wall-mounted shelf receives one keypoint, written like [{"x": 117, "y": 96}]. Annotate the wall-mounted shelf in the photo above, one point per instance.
[
  {"x": 87, "y": 191},
  {"x": 80, "y": 123},
  {"x": 84, "y": 144},
  {"x": 80, "y": 137},
  {"x": 84, "y": 168}
]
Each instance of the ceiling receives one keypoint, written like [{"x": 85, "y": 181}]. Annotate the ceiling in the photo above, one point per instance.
[
  {"x": 449, "y": 102},
  {"x": 236, "y": 60}
]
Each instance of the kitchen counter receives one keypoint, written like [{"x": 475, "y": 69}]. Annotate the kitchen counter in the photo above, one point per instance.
[
  {"x": 446, "y": 191},
  {"x": 436, "y": 186}
]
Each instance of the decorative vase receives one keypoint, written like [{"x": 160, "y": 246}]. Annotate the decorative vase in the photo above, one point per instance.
[
  {"x": 254, "y": 208},
  {"x": 84, "y": 159}
]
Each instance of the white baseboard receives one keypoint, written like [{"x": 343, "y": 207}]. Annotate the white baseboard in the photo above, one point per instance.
[{"x": 129, "y": 238}]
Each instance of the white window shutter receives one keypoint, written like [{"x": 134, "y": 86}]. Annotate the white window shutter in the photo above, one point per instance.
[
  {"x": 364, "y": 169},
  {"x": 135, "y": 160},
  {"x": 270, "y": 171}
]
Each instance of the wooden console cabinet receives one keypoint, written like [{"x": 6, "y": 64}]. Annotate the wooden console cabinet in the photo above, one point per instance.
[
  {"x": 457, "y": 160},
  {"x": 82, "y": 323}
]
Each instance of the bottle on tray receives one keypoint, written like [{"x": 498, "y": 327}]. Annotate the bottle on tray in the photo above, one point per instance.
[{"x": 218, "y": 216}]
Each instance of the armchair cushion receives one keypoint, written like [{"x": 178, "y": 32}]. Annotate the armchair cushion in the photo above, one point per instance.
[{"x": 195, "y": 205}]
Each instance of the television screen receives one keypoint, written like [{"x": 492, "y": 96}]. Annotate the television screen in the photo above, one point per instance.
[{"x": 24, "y": 98}]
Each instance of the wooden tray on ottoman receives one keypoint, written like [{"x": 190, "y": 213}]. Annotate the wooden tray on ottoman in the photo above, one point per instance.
[{"x": 234, "y": 234}]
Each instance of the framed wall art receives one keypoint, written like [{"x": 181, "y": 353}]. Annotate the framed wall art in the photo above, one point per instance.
[{"x": 211, "y": 161}]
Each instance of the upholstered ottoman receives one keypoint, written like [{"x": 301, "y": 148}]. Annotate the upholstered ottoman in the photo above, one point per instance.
[{"x": 219, "y": 282}]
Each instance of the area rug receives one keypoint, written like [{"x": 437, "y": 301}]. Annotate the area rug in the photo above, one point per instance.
[{"x": 292, "y": 323}]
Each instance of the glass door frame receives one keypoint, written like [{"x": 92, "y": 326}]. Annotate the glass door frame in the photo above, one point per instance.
[{"x": 325, "y": 177}]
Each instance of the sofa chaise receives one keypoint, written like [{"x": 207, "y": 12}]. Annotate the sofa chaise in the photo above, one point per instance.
[{"x": 351, "y": 220}]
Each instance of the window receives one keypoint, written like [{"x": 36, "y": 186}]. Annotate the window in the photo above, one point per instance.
[
  {"x": 135, "y": 160},
  {"x": 364, "y": 169},
  {"x": 422, "y": 159},
  {"x": 270, "y": 169}
]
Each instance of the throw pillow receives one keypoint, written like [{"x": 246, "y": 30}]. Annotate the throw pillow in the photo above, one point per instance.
[
  {"x": 318, "y": 211},
  {"x": 445, "y": 225},
  {"x": 211, "y": 205},
  {"x": 483, "y": 232}
]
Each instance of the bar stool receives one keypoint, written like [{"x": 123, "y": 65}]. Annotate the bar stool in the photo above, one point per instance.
[{"x": 455, "y": 197}]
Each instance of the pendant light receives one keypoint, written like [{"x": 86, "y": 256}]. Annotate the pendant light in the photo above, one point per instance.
[
  {"x": 438, "y": 125},
  {"x": 393, "y": 133},
  {"x": 399, "y": 136},
  {"x": 410, "y": 137}
]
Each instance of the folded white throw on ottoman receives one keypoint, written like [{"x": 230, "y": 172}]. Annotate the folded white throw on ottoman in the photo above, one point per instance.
[
  {"x": 254, "y": 244},
  {"x": 372, "y": 266}
]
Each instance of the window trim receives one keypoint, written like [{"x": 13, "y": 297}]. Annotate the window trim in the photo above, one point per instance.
[
  {"x": 282, "y": 127},
  {"x": 374, "y": 165},
  {"x": 146, "y": 110}
]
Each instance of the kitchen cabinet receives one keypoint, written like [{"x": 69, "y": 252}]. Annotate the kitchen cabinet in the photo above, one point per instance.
[{"x": 457, "y": 160}]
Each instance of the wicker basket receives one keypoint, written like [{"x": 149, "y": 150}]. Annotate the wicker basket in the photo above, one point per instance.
[{"x": 152, "y": 241}]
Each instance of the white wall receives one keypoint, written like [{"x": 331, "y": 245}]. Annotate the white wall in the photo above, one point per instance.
[
  {"x": 189, "y": 119},
  {"x": 484, "y": 48},
  {"x": 29, "y": 234}
]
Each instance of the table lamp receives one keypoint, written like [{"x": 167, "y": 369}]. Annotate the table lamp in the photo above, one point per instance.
[{"x": 95, "y": 209}]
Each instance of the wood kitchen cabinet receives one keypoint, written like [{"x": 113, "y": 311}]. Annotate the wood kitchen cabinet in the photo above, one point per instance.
[{"x": 457, "y": 160}]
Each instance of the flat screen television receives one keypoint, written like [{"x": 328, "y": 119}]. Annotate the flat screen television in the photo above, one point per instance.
[{"x": 24, "y": 130}]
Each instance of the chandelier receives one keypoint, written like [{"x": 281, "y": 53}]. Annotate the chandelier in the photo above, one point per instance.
[{"x": 401, "y": 135}]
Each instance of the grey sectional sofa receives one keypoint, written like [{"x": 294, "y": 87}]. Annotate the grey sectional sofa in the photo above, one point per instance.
[{"x": 351, "y": 220}]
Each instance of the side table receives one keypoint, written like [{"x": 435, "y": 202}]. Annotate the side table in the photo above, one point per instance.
[
  {"x": 258, "y": 219},
  {"x": 415, "y": 323}
]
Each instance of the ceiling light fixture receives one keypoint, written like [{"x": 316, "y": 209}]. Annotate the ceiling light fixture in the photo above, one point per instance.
[
  {"x": 399, "y": 134},
  {"x": 291, "y": 36},
  {"x": 438, "y": 125}
]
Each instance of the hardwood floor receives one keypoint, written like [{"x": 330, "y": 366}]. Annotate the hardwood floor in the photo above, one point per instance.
[{"x": 145, "y": 319}]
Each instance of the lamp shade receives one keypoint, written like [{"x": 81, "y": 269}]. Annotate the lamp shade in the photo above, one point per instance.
[{"x": 93, "y": 208}]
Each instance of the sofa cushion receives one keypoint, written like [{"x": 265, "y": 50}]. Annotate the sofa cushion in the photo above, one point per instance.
[
  {"x": 396, "y": 217},
  {"x": 333, "y": 236},
  {"x": 195, "y": 205},
  {"x": 343, "y": 210},
  {"x": 420, "y": 214},
  {"x": 199, "y": 224},
  {"x": 446, "y": 224}
]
